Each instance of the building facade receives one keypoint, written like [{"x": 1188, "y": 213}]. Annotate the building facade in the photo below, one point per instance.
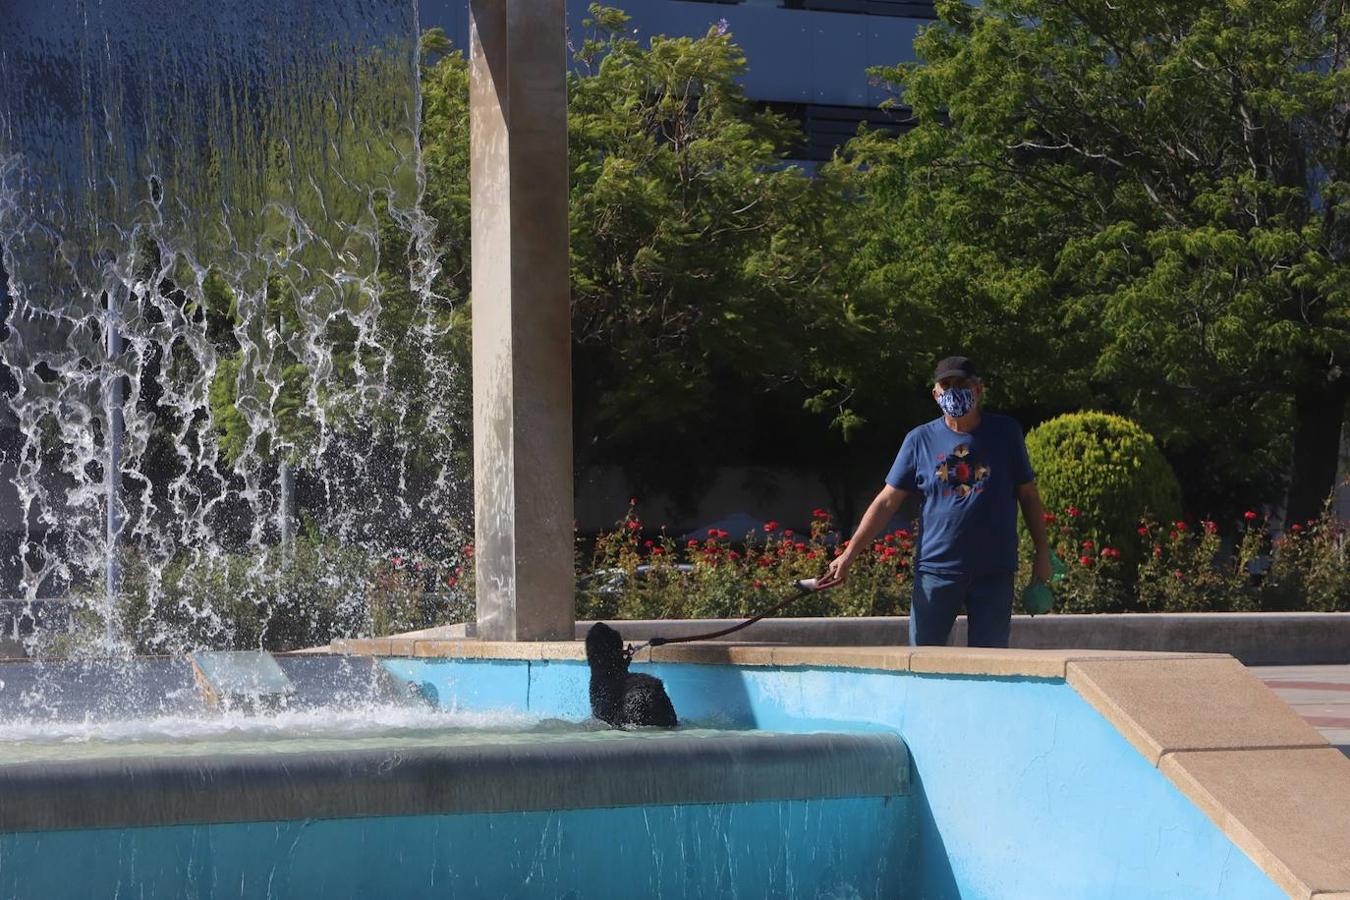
[{"x": 807, "y": 59}]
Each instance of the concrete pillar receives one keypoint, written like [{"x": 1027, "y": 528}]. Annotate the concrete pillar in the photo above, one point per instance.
[{"x": 522, "y": 366}]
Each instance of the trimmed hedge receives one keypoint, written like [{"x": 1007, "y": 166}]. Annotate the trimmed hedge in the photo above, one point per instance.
[{"x": 1108, "y": 471}]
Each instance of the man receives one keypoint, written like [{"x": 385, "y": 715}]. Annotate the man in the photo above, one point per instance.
[{"x": 972, "y": 471}]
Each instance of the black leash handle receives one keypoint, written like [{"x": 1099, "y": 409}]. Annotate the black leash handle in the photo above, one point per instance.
[{"x": 804, "y": 586}]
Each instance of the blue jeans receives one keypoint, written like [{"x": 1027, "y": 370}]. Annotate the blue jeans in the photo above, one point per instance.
[{"x": 938, "y": 599}]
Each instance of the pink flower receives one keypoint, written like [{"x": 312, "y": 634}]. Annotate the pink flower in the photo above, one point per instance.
[
  {"x": 787, "y": 532},
  {"x": 692, "y": 544},
  {"x": 1111, "y": 553},
  {"x": 1088, "y": 545},
  {"x": 1210, "y": 527},
  {"x": 1073, "y": 512},
  {"x": 1143, "y": 530},
  {"x": 634, "y": 525},
  {"x": 770, "y": 526}
]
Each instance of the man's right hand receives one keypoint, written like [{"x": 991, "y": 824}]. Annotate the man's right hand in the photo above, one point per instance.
[{"x": 837, "y": 573}]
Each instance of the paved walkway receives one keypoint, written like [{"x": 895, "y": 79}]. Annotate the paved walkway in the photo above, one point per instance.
[{"x": 1320, "y": 694}]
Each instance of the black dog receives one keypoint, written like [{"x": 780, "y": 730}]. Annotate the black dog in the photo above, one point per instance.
[{"x": 619, "y": 697}]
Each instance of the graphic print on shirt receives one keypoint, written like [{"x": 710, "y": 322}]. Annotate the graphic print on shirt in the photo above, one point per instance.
[{"x": 961, "y": 473}]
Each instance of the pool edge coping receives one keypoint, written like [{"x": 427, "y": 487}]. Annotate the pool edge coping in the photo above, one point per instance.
[{"x": 1208, "y": 725}]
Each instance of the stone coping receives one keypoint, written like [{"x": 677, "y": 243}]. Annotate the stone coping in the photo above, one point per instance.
[
  {"x": 1268, "y": 779},
  {"x": 585, "y": 771},
  {"x": 1256, "y": 638}
]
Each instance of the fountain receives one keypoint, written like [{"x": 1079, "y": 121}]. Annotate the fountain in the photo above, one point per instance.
[{"x": 235, "y": 397}]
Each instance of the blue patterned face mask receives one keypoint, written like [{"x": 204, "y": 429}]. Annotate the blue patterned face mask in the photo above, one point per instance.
[{"x": 956, "y": 402}]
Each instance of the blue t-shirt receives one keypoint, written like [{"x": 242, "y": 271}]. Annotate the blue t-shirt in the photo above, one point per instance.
[{"x": 968, "y": 523}]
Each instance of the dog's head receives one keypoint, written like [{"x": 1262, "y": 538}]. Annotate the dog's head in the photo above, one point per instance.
[{"x": 604, "y": 648}]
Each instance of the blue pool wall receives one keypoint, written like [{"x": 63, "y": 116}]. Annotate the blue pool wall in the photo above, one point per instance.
[
  {"x": 1020, "y": 788},
  {"x": 852, "y": 847}
]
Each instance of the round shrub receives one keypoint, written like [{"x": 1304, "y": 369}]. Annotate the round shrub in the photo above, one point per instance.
[{"x": 1105, "y": 472}]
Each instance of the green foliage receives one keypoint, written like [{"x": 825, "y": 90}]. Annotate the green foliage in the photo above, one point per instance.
[
  {"x": 1187, "y": 570},
  {"x": 632, "y": 577},
  {"x": 1134, "y": 208},
  {"x": 272, "y": 599},
  {"x": 1107, "y": 469},
  {"x": 701, "y": 264}
]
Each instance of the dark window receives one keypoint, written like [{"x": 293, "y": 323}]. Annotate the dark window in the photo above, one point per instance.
[
  {"x": 912, "y": 9},
  {"x": 825, "y": 128},
  {"x": 909, "y": 9}
]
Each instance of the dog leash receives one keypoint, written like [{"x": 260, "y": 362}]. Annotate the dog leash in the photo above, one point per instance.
[{"x": 804, "y": 586}]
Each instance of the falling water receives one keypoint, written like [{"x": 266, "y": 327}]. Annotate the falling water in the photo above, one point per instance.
[{"x": 221, "y": 284}]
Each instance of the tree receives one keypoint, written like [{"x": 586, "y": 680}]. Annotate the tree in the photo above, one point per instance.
[
  {"x": 1142, "y": 207},
  {"x": 701, "y": 263}
]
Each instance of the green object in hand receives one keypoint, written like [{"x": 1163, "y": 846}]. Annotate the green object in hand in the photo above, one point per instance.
[{"x": 1037, "y": 599}]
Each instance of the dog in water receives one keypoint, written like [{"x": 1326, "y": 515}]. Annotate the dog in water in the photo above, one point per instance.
[{"x": 620, "y": 698}]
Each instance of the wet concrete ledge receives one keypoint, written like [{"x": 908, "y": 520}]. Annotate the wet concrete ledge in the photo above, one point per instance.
[{"x": 589, "y": 771}]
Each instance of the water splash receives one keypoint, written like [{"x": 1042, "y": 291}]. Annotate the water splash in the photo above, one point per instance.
[{"x": 209, "y": 219}]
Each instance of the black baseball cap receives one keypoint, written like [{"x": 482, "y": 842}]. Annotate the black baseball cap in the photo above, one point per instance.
[{"x": 954, "y": 367}]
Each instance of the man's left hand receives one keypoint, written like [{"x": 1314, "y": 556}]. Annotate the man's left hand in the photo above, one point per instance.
[{"x": 1040, "y": 570}]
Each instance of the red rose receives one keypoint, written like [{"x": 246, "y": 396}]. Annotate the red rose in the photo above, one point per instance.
[
  {"x": 1088, "y": 545},
  {"x": 657, "y": 551},
  {"x": 1249, "y": 515},
  {"x": 1143, "y": 530},
  {"x": 1049, "y": 518},
  {"x": 1085, "y": 560},
  {"x": 1073, "y": 511},
  {"x": 770, "y": 526},
  {"x": 1210, "y": 527},
  {"x": 1296, "y": 527}
]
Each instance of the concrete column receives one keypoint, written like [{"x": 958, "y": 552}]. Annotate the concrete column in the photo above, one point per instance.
[{"x": 522, "y": 366}]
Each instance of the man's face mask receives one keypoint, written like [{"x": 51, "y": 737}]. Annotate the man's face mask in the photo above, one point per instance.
[{"x": 956, "y": 402}]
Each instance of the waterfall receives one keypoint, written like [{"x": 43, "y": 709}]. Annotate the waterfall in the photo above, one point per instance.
[{"x": 221, "y": 283}]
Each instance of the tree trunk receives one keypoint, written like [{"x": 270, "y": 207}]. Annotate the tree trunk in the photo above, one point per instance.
[{"x": 1319, "y": 413}]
